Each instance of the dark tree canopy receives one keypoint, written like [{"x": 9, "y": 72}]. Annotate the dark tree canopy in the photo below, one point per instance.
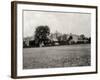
[
  {"x": 41, "y": 34},
  {"x": 82, "y": 36}
]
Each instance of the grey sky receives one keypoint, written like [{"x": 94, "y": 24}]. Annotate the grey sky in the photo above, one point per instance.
[{"x": 76, "y": 23}]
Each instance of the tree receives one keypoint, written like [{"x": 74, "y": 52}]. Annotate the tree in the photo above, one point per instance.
[
  {"x": 62, "y": 39},
  {"x": 41, "y": 35},
  {"x": 65, "y": 36},
  {"x": 82, "y": 36},
  {"x": 69, "y": 39},
  {"x": 89, "y": 39}
]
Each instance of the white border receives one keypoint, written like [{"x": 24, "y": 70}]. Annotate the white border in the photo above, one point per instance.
[{"x": 31, "y": 72}]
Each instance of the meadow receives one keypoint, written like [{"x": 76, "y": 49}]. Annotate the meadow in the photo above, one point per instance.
[{"x": 57, "y": 56}]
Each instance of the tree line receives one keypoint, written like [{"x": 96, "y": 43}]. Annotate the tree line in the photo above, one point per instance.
[{"x": 43, "y": 36}]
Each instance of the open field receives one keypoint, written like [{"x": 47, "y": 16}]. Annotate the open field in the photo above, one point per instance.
[{"x": 58, "y": 56}]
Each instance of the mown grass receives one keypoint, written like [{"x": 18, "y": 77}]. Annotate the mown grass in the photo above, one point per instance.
[{"x": 60, "y": 56}]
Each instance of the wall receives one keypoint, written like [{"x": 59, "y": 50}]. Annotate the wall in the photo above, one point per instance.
[{"x": 5, "y": 40}]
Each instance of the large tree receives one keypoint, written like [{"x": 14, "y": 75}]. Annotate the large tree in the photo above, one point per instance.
[
  {"x": 82, "y": 36},
  {"x": 41, "y": 35}
]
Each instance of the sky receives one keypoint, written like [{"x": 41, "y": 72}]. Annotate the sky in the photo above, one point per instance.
[{"x": 63, "y": 22}]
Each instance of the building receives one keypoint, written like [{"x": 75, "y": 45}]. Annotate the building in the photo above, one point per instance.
[
  {"x": 55, "y": 39},
  {"x": 78, "y": 39},
  {"x": 26, "y": 41}
]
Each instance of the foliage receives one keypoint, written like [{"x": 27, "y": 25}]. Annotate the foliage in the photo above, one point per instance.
[
  {"x": 41, "y": 35},
  {"x": 82, "y": 36}
]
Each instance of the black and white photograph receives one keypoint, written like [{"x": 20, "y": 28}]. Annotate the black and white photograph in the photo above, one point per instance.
[
  {"x": 53, "y": 39},
  {"x": 56, "y": 39}
]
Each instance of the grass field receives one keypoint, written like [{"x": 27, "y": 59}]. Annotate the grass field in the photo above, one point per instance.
[{"x": 59, "y": 56}]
